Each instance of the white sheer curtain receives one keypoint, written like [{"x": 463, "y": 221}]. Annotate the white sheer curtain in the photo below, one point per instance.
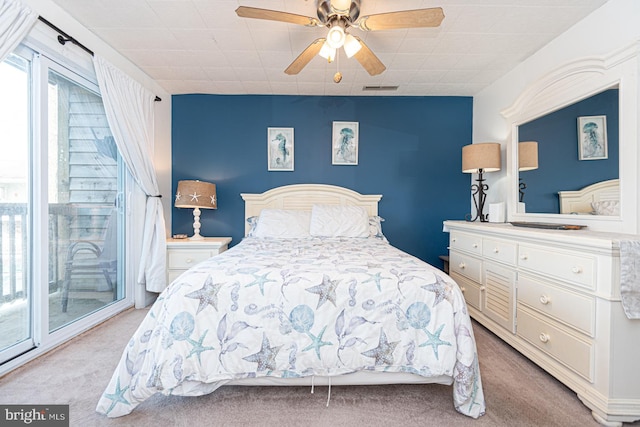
[
  {"x": 15, "y": 22},
  {"x": 129, "y": 109}
]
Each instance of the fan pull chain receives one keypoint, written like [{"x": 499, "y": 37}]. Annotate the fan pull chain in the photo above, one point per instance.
[{"x": 337, "y": 77}]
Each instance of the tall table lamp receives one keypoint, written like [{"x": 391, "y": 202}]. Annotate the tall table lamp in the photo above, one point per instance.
[
  {"x": 527, "y": 160},
  {"x": 480, "y": 158},
  {"x": 197, "y": 195}
]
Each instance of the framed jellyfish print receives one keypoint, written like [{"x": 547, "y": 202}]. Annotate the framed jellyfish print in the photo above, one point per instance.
[
  {"x": 280, "y": 149},
  {"x": 344, "y": 143},
  {"x": 592, "y": 138}
]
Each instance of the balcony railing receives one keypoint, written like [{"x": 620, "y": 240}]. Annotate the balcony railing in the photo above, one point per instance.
[
  {"x": 14, "y": 250},
  {"x": 13, "y": 240}
]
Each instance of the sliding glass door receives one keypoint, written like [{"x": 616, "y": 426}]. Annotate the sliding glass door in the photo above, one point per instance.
[
  {"x": 61, "y": 205},
  {"x": 15, "y": 293},
  {"x": 82, "y": 197}
]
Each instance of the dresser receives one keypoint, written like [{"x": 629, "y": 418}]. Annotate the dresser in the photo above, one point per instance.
[
  {"x": 182, "y": 254},
  {"x": 554, "y": 295}
]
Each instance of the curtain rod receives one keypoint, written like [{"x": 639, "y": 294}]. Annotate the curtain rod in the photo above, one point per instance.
[{"x": 64, "y": 37}]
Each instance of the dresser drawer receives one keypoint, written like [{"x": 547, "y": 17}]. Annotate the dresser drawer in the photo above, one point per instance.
[
  {"x": 571, "y": 351},
  {"x": 500, "y": 250},
  {"x": 465, "y": 242},
  {"x": 471, "y": 291},
  {"x": 570, "y": 308},
  {"x": 186, "y": 258},
  {"x": 466, "y": 266},
  {"x": 572, "y": 267}
]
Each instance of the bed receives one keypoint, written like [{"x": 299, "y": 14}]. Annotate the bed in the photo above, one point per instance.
[
  {"x": 601, "y": 198},
  {"x": 313, "y": 295}
]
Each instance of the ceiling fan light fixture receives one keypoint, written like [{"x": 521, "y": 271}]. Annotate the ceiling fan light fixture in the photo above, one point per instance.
[
  {"x": 351, "y": 46},
  {"x": 338, "y": 16},
  {"x": 327, "y": 52},
  {"x": 336, "y": 36}
]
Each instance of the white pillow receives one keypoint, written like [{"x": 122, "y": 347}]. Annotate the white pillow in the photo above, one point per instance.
[
  {"x": 606, "y": 207},
  {"x": 375, "y": 228},
  {"x": 253, "y": 223},
  {"x": 283, "y": 223},
  {"x": 339, "y": 221}
]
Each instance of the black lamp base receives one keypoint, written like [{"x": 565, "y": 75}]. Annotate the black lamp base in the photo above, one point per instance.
[
  {"x": 522, "y": 187},
  {"x": 479, "y": 196}
]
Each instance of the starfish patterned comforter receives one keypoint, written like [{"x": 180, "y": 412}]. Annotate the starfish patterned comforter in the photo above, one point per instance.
[{"x": 300, "y": 307}]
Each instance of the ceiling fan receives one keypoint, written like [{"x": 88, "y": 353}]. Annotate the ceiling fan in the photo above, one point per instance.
[{"x": 339, "y": 16}]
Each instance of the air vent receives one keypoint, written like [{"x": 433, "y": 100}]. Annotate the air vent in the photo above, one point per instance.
[{"x": 379, "y": 88}]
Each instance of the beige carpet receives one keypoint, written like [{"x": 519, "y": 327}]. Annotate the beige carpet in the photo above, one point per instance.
[{"x": 517, "y": 393}]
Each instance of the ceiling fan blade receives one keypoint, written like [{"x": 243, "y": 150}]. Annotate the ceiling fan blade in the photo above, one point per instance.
[
  {"x": 369, "y": 60},
  {"x": 431, "y": 17},
  {"x": 303, "y": 59},
  {"x": 274, "y": 15}
]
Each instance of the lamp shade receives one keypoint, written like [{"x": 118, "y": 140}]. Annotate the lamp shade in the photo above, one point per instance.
[
  {"x": 527, "y": 155},
  {"x": 351, "y": 46},
  {"x": 336, "y": 35},
  {"x": 485, "y": 156},
  {"x": 196, "y": 194},
  {"x": 327, "y": 52}
]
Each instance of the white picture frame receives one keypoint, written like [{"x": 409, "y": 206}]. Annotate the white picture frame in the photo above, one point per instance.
[
  {"x": 344, "y": 143},
  {"x": 280, "y": 149},
  {"x": 592, "y": 138}
]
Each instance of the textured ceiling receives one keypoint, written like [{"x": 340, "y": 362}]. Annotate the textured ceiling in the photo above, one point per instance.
[{"x": 201, "y": 46}]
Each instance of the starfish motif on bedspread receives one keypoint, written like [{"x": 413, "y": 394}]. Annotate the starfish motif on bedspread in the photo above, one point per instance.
[
  {"x": 260, "y": 281},
  {"x": 208, "y": 295},
  {"x": 266, "y": 357},
  {"x": 434, "y": 340},
  {"x": 441, "y": 288},
  {"x": 117, "y": 396},
  {"x": 316, "y": 342},
  {"x": 326, "y": 290},
  {"x": 383, "y": 353},
  {"x": 376, "y": 278},
  {"x": 198, "y": 348}
]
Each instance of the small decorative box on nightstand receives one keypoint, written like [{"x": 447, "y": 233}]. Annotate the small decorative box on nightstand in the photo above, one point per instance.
[{"x": 182, "y": 254}]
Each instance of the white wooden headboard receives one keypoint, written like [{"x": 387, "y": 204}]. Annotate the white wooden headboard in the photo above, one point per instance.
[
  {"x": 579, "y": 201},
  {"x": 304, "y": 196}
]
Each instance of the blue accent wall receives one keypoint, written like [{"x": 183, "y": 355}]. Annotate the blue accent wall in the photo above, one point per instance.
[
  {"x": 409, "y": 151},
  {"x": 559, "y": 167}
]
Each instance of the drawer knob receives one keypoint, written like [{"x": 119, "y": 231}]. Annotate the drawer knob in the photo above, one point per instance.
[
  {"x": 524, "y": 257},
  {"x": 475, "y": 245},
  {"x": 496, "y": 250},
  {"x": 482, "y": 288},
  {"x": 576, "y": 270},
  {"x": 544, "y": 337},
  {"x": 462, "y": 289},
  {"x": 188, "y": 260},
  {"x": 544, "y": 300},
  {"x": 453, "y": 240},
  {"x": 462, "y": 265}
]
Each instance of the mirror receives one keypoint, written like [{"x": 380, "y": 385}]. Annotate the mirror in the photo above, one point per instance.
[
  {"x": 581, "y": 88},
  {"x": 578, "y": 145}
]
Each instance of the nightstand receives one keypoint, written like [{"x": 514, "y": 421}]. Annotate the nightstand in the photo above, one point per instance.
[{"x": 182, "y": 254}]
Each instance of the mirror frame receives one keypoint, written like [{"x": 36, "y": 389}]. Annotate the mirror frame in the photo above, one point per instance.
[{"x": 565, "y": 86}]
